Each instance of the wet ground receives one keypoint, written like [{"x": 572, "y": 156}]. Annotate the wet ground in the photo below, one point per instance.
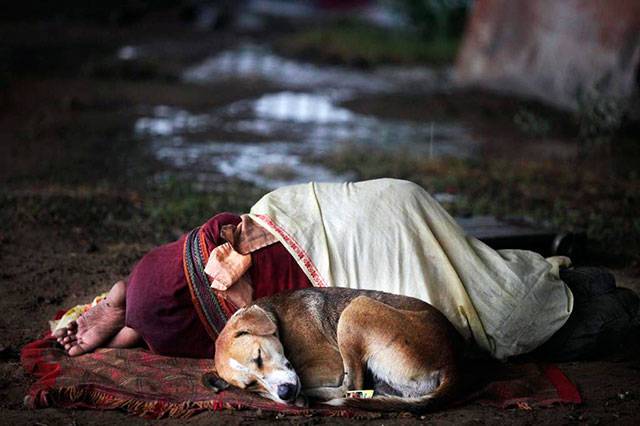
[
  {"x": 114, "y": 141},
  {"x": 271, "y": 140}
]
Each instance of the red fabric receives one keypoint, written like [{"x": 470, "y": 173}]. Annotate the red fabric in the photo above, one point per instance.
[
  {"x": 155, "y": 386},
  {"x": 274, "y": 270},
  {"x": 567, "y": 391},
  {"x": 523, "y": 385},
  {"x": 35, "y": 360},
  {"x": 159, "y": 304},
  {"x": 137, "y": 381}
]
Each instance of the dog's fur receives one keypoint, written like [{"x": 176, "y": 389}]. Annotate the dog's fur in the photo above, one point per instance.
[{"x": 336, "y": 339}]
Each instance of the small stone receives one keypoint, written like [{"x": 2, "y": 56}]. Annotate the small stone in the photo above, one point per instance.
[
  {"x": 91, "y": 248},
  {"x": 624, "y": 395}
]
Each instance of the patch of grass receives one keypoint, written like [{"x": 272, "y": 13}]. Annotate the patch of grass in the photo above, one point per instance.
[
  {"x": 159, "y": 214},
  {"x": 565, "y": 198},
  {"x": 600, "y": 116},
  {"x": 176, "y": 205},
  {"x": 101, "y": 213},
  {"x": 436, "y": 17},
  {"x": 531, "y": 124},
  {"x": 356, "y": 43},
  {"x": 134, "y": 69}
]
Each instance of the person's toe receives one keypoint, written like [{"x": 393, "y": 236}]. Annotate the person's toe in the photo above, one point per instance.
[
  {"x": 61, "y": 332},
  {"x": 69, "y": 339},
  {"x": 76, "y": 350},
  {"x": 70, "y": 331},
  {"x": 117, "y": 295}
]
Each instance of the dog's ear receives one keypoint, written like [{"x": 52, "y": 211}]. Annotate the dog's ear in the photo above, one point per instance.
[
  {"x": 214, "y": 382},
  {"x": 255, "y": 320}
]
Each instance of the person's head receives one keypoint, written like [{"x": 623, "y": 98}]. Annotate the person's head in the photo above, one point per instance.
[{"x": 249, "y": 355}]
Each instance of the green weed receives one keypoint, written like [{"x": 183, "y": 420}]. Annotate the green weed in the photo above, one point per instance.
[{"x": 356, "y": 43}]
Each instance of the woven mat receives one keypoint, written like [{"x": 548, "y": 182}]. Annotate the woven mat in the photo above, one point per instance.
[{"x": 154, "y": 386}]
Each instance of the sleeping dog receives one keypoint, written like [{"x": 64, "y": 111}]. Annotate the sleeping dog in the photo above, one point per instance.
[{"x": 323, "y": 342}]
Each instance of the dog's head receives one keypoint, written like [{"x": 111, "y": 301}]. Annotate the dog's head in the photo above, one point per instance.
[{"x": 249, "y": 355}]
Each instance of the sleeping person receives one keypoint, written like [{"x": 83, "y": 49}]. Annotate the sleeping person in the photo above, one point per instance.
[{"x": 386, "y": 234}]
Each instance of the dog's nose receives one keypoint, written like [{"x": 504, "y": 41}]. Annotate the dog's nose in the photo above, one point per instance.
[{"x": 287, "y": 391}]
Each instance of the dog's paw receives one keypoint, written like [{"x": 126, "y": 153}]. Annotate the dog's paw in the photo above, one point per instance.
[
  {"x": 301, "y": 401},
  {"x": 336, "y": 402},
  {"x": 214, "y": 382}
]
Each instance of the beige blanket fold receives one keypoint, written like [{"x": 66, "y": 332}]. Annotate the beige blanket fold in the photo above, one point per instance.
[{"x": 391, "y": 235}]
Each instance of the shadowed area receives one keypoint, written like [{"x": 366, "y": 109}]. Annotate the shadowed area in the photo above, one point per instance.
[{"x": 125, "y": 124}]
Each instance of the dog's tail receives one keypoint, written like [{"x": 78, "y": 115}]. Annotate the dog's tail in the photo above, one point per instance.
[{"x": 446, "y": 392}]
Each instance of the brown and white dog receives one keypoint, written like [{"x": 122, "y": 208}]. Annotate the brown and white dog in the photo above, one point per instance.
[{"x": 326, "y": 341}]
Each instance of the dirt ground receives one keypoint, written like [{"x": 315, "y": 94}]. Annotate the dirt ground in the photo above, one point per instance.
[{"x": 79, "y": 205}]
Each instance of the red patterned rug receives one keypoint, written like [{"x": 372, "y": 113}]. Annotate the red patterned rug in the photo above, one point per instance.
[{"x": 154, "y": 386}]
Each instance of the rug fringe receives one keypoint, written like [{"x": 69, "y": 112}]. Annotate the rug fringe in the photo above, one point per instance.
[{"x": 72, "y": 397}]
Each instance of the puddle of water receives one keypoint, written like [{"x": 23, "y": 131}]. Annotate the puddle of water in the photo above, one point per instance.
[
  {"x": 287, "y": 128},
  {"x": 300, "y": 108},
  {"x": 255, "y": 62},
  {"x": 280, "y": 8},
  {"x": 128, "y": 53},
  {"x": 255, "y": 14},
  {"x": 316, "y": 121},
  {"x": 258, "y": 63},
  {"x": 271, "y": 140},
  {"x": 268, "y": 165},
  {"x": 169, "y": 121}
]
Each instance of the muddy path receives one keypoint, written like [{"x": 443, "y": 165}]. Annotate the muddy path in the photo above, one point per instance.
[{"x": 114, "y": 141}]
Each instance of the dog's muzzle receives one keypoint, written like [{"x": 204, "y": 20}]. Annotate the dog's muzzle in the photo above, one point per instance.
[{"x": 288, "y": 391}]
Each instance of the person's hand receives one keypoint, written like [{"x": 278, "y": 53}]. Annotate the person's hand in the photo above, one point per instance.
[
  {"x": 226, "y": 266},
  {"x": 219, "y": 285},
  {"x": 240, "y": 293}
]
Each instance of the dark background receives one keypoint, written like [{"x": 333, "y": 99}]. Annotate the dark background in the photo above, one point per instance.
[{"x": 521, "y": 113}]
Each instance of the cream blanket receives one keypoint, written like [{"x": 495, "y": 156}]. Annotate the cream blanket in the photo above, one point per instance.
[{"x": 391, "y": 235}]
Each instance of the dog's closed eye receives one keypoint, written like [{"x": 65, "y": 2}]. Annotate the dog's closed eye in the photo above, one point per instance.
[
  {"x": 241, "y": 333},
  {"x": 258, "y": 359}
]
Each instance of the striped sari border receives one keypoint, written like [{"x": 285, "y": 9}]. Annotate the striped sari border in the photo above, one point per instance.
[
  {"x": 316, "y": 279},
  {"x": 212, "y": 309}
]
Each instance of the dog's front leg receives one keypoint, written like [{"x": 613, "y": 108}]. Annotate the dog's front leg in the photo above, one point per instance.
[{"x": 326, "y": 393}]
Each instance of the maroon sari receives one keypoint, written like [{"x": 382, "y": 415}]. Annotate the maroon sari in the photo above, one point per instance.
[{"x": 160, "y": 305}]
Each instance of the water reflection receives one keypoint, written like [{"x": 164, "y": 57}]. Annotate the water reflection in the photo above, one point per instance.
[
  {"x": 269, "y": 165},
  {"x": 168, "y": 121},
  {"x": 316, "y": 120},
  {"x": 285, "y": 131},
  {"x": 300, "y": 108},
  {"x": 128, "y": 53},
  {"x": 255, "y": 62}
]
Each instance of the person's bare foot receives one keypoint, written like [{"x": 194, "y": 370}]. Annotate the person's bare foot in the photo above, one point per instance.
[
  {"x": 127, "y": 337},
  {"x": 96, "y": 327}
]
